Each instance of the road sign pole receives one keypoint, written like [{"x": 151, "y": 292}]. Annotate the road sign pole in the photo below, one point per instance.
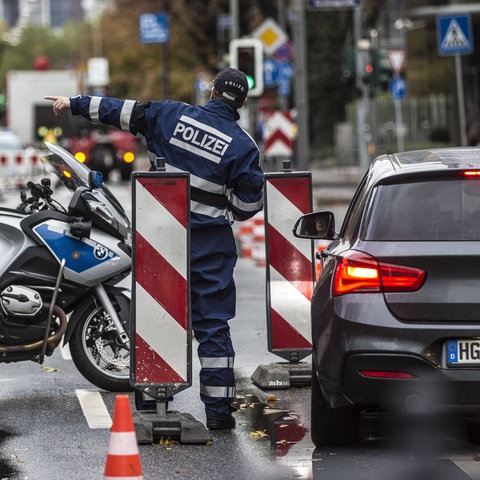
[
  {"x": 455, "y": 38},
  {"x": 461, "y": 100},
  {"x": 400, "y": 131},
  {"x": 362, "y": 103},
  {"x": 300, "y": 85}
]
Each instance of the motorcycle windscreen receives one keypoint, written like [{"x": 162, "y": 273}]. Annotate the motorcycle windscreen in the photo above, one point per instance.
[{"x": 66, "y": 167}]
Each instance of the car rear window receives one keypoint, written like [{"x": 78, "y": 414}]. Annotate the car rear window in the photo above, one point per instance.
[{"x": 446, "y": 209}]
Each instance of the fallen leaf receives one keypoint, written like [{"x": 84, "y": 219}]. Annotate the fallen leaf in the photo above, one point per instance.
[
  {"x": 259, "y": 434},
  {"x": 48, "y": 369}
]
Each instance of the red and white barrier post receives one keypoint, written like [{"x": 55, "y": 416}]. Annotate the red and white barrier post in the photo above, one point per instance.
[
  {"x": 161, "y": 336},
  {"x": 290, "y": 274}
]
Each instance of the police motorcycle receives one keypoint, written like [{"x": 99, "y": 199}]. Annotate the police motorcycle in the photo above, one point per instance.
[{"x": 59, "y": 270}]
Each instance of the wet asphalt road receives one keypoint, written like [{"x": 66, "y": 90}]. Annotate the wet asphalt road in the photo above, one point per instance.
[{"x": 44, "y": 434}]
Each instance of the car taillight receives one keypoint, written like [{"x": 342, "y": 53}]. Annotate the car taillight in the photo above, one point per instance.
[
  {"x": 128, "y": 157},
  {"x": 358, "y": 272}
]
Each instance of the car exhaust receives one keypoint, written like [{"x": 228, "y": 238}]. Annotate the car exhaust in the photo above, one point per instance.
[{"x": 415, "y": 403}]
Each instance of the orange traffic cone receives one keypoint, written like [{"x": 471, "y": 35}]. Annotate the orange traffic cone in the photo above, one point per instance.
[{"x": 123, "y": 459}]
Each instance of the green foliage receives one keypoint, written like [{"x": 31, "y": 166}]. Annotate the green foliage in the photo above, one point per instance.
[{"x": 61, "y": 48}]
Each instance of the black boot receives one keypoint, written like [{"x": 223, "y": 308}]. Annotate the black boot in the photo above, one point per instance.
[{"x": 220, "y": 421}]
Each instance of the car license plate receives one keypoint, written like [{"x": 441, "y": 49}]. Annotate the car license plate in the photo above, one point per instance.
[{"x": 463, "y": 352}]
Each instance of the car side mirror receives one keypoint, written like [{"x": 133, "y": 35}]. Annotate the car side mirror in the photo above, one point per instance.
[{"x": 316, "y": 225}]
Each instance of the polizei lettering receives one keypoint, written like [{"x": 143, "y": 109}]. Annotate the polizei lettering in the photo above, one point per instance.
[{"x": 201, "y": 139}]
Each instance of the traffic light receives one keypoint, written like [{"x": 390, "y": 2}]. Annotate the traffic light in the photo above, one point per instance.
[
  {"x": 349, "y": 67},
  {"x": 246, "y": 54},
  {"x": 381, "y": 70}
]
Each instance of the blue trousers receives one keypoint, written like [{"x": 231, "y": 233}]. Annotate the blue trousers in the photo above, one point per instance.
[{"x": 213, "y": 302}]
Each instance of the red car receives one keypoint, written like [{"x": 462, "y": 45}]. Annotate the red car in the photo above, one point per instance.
[{"x": 105, "y": 149}]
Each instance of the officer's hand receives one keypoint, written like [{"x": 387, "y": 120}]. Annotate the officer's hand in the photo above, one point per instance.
[{"x": 59, "y": 103}]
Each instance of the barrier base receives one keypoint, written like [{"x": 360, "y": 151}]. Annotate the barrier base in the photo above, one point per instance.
[
  {"x": 283, "y": 375},
  {"x": 152, "y": 426}
]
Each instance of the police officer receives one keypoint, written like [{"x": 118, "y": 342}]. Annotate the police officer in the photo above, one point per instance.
[{"x": 226, "y": 184}]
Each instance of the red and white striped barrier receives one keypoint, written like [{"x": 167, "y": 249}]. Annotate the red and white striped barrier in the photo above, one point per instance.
[
  {"x": 161, "y": 350},
  {"x": 160, "y": 300},
  {"x": 251, "y": 239},
  {"x": 17, "y": 167},
  {"x": 245, "y": 238},
  {"x": 290, "y": 272},
  {"x": 290, "y": 264},
  {"x": 258, "y": 240}
]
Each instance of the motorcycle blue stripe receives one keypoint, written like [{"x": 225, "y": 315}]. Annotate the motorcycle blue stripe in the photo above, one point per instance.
[{"x": 79, "y": 255}]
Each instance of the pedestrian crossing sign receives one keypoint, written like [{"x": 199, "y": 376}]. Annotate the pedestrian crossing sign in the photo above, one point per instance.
[{"x": 454, "y": 35}]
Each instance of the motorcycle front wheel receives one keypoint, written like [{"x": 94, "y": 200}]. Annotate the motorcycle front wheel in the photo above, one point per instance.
[{"x": 96, "y": 352}]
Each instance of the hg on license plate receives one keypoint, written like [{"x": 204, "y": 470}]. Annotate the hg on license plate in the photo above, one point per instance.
[{"x": 463, "y": 352}]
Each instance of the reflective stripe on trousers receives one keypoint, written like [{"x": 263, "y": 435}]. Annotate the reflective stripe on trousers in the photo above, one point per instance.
[
  {"x": 217, "y": 392},
  {"x": 216, "y": 362}
]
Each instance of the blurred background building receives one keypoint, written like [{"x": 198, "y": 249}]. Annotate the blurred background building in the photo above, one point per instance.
[{"x": 48, "y": 13}]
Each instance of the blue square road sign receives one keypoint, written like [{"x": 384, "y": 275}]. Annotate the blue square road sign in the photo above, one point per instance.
[
  {"x": 154, "y": 28},
  {"x": 454, "y": 34}
]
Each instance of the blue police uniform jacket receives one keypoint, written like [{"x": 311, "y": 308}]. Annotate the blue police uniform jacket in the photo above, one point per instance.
[{"x": 206, "y": 141}]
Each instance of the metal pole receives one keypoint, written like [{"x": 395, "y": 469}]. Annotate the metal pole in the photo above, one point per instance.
[
  {"x": 165, "y": 61},
  {"x": 300, "y": 84},
  {"x": 460, "y": 100},
  {"x": 234, "y": 14},
  {"x": 362, "y": 125},
  {"x": 282, "y": 99},
  {"x": 281, "y": 14},
  {"x": 399, "y": 126}
]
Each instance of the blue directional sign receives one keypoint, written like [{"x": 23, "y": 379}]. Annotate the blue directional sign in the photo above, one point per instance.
[
  {"x": 154, "y": 28},
  {"x": 276, "y": 72},
  {"x": 454, "y": 34},
  {"x": 271, "y": 72},
  {"x": 286, "y": 71},
  {"x": 398, "y": 87}
]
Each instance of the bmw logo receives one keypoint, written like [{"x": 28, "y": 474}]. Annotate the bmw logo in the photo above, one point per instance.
[{"x": 100, "y": 252}]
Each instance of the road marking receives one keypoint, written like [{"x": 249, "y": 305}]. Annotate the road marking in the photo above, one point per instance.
[{"x": 94, "y": 408}]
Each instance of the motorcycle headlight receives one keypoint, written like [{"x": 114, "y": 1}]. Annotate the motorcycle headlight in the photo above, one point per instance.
[{"x": 100, "y": 210}]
